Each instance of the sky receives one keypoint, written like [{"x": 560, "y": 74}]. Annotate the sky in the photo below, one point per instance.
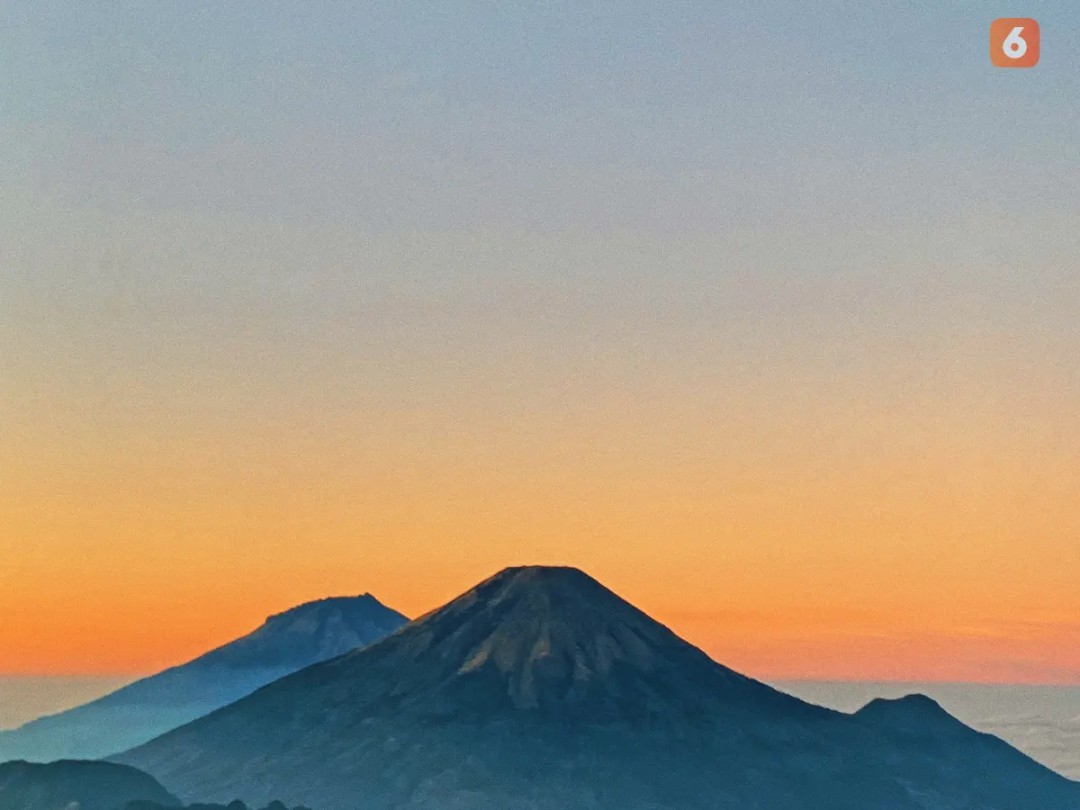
[{"x": 765, "y": 316}]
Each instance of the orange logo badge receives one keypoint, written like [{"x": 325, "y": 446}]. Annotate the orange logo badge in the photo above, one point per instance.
[{"x": 1014, "y": 42}]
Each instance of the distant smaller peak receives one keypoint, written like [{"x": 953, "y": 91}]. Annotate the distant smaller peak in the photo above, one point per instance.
[
  {"x": 320, "y": 605},
  {"x": 907, "y": 712}
]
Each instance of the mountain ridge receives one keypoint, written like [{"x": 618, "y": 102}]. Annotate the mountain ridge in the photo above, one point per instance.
[
  {"x": 283, "y": 643},
  {"x": 539, "y": 684}
]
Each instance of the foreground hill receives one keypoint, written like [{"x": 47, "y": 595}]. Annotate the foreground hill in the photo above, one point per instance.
[
  {"x": 542, "y": 689},
  {"x": 81, "y": 785},
  {"x": 286, "y": 642},
  {"x": 89, "y": 785},
  {"x": 233, "y": 805}
]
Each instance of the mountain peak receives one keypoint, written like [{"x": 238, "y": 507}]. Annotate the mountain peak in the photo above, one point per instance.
[
  {"x": 553, "y": 641},
  {"x": 525, "y": 580},
  {"x": 540, "y": 574},
  {"x": 913, "y": 704},
  {"x": 540, "y": 622},
  {"x": 911, "y": 713},
  {"x": 543, "y": 592},
  {"x": 327, "y": 604},
  {"x": 312, "y": 631}
]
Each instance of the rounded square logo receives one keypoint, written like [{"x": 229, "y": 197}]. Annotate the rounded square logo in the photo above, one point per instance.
[{"x": 1014, "y": 42}]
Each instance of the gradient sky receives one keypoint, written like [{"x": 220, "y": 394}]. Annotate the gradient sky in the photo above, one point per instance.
[{"x": 767, "y": 317}]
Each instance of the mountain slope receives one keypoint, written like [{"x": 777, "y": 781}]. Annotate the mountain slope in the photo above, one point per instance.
[
  {"x": 82, "y": 785},
  {"x": 948, "y": 752},
  {"x": 286, "y": 642},
  {"x": 541, "y": 689}
]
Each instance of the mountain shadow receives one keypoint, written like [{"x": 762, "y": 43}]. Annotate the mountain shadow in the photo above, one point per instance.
[
  {"x": 541, "y": 689},
  {"x": 286, "y": 642}
]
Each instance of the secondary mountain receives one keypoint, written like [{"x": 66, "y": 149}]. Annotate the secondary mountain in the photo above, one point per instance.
[
  {"x": 541, "y": 689},
  {"x": 80, "y": 785},
  {"x": 286, "y": 642}
]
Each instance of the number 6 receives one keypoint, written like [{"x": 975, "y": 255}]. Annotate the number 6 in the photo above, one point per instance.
[{"x": 1014, "y": 46}]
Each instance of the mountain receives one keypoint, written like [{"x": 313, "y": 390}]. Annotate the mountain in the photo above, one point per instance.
[
  {"x": 74, "y": 784},
  {"x": 541, "y": 689},
  {"x": 286, "y": 642},
  {"x": 953, "y": 753}
]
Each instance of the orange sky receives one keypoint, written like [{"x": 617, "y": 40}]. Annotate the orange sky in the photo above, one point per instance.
[{"x": 905, "y": 519}]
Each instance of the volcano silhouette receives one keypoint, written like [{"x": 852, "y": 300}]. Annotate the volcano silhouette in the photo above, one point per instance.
[{"x": 542, "y": 689}]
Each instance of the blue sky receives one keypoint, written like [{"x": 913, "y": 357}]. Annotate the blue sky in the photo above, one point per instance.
[{"x": 637, "y": 115}]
